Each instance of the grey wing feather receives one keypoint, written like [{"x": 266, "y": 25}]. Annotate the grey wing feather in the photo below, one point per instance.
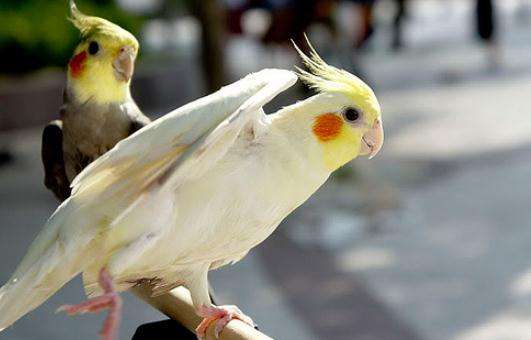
[{"x": 55, "y": 177}]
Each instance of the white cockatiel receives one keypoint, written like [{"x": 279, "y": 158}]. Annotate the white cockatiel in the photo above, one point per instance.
[{"x": 195, "y": 190}]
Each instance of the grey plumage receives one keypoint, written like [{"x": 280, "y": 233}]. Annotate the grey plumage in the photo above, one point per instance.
[{"x": 84, "y": 132}]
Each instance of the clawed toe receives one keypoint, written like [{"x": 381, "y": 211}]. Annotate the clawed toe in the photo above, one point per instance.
[
  {"x": 110, "y": 300},
  {"x": 94, "y": 305},
  {"x": 221, "y": 316}
]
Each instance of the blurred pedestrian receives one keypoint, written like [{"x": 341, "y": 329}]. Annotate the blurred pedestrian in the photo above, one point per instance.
[
  {"x": 487, "y": 30},
  {"x": 291, "y": 19},
  {"x": 485, "y": 20},
  {"x": 400, "y": 13},
  {"x": 282, "y": 21},
  {"x": 366, "y": 27},
  {"x": 235, "y": 10}
]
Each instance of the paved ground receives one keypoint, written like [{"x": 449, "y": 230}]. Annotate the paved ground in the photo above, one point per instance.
[{"x": 427, "y": 241}]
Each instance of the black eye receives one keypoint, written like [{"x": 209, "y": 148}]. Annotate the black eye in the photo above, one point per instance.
[
  {"x": 93, "y": 47},
  {"x": 351, "y": 114}
]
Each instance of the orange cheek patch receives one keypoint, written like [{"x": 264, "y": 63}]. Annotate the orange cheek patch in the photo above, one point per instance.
[
  {"x": 76, "y": 64},
  {"x": 327, "y": 126}
]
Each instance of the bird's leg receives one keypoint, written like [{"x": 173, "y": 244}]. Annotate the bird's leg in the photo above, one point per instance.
[
  {"x": 220, "y": 315},
  {"x": 197, "y": 284},
  {"x": 108, "y": 300}
]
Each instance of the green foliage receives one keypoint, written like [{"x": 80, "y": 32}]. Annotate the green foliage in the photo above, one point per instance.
[{"x": 36, "y": 33}]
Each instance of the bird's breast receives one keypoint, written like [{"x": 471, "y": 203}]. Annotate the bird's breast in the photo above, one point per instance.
[
  {"x": 241, "y": 200},
  {"x": 94, "y": 129}
]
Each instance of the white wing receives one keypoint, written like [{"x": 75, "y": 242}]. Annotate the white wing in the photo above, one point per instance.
[
  {"x": 180, "y": 137},
  {"x": 182, "y": 144},
  {"x": 72, "y": 238}
]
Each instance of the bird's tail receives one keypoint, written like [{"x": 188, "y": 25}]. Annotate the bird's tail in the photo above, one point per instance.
[{"x": 49, "y": 264}]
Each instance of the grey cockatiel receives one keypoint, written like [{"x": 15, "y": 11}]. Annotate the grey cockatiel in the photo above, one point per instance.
[{"x": 98, "y": 110}]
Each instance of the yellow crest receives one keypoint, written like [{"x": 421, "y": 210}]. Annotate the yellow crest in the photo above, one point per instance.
[
  {"x": 325, "y": 78},
  {"x": 90, "y": 25}
]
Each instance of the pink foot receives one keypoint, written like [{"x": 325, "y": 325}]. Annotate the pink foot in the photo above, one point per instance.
[
  {"x": 109, "y": 300},
  {"x": 221, "y": 315}
]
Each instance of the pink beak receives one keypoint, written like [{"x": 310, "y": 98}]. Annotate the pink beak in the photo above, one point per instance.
[
  {"x": 124, "y": 64},
  {"x": 372, "y": 140}
]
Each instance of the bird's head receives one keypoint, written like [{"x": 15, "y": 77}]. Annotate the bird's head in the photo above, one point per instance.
[
  {"x": 103, "y": 62},
  {"x": 345, "y": 116}
]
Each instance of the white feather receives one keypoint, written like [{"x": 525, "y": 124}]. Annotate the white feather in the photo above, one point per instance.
[{"x": 139, "y": 198}]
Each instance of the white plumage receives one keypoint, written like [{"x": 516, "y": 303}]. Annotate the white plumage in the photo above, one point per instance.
[
  {"x": 192, "y": 191},
  {"x": 151, "y": 207}
]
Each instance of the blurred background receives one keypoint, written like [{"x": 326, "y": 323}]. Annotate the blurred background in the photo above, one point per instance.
[{"x": 430, "y": 240}]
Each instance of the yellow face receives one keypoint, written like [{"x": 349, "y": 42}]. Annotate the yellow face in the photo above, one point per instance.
[
  {"x": 103, "y": 63},
  {"x": 101, "y": 68},
  {"x": 346, "y": 116},
  {"x": 346, "y": 134}
]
